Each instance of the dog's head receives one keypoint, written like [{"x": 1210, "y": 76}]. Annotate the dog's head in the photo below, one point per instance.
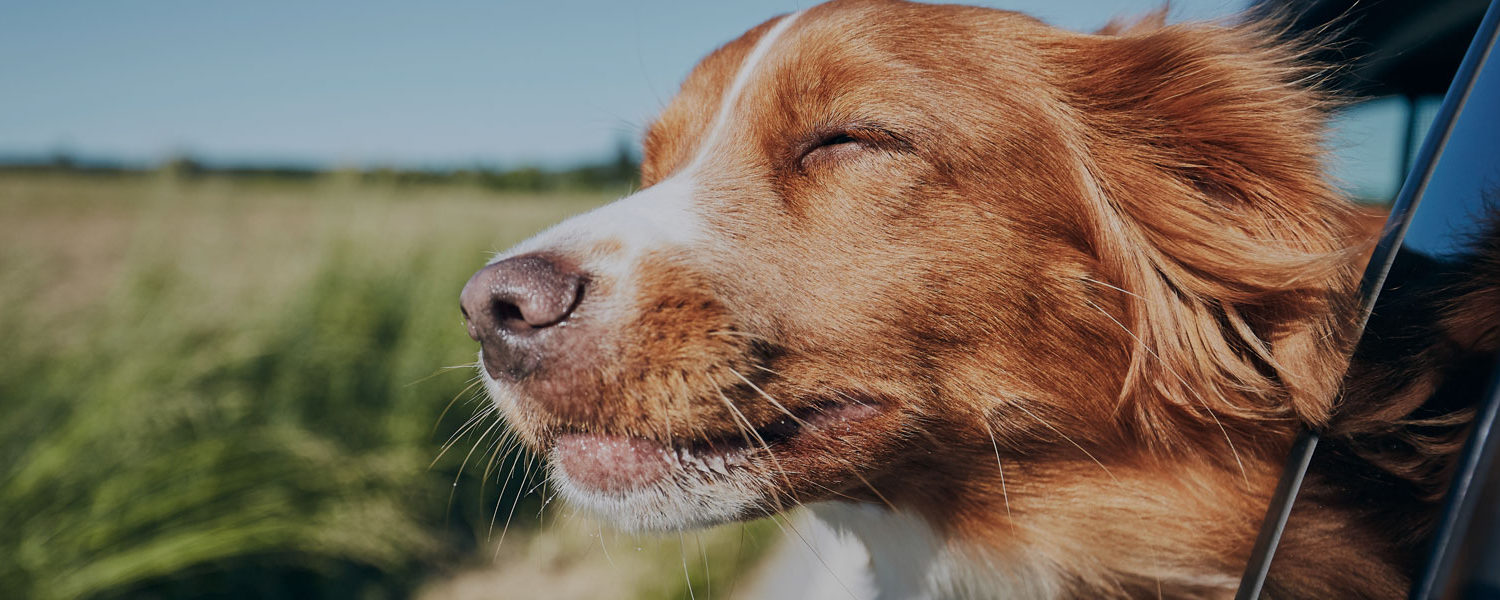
[{"x": 878, "y": 241}]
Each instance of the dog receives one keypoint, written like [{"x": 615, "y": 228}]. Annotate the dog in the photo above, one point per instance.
[{"x": 1034, "y": 313}]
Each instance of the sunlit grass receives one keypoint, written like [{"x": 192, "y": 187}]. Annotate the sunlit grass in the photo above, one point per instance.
[{"x": 216, "y": 385}]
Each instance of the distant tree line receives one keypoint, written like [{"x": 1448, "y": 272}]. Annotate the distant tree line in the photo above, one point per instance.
[{"x": 619, "y": 171}]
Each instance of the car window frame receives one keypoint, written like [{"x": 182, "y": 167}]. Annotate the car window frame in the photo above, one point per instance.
[{"x": 1478, "y": 460}]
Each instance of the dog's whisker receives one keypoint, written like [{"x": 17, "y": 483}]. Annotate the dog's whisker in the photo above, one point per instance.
[
  {"x": 835, "y": 492},
  {"x": 768, "y": 398},
  {"x": 739, "y": 551},
  {"x": 439, "y": 421},
  {"x": 602, "y": 545},
  {"x": 854, "y": 469},
  {"x": 467, "y": 427},
  {"x": 1156, "y": 555},
  {"x": 513, "y": 450},
  {"x": 477, "y": 442},
  {"x": 708, "y": 581},
  {"x": 1113, "y": 287},
  {"x": 540, "y": 482},
  {"x": 525, "y": 478},
  {"x": 1020, "y": 406},
  {"x": 516, "y": 450},
  {"x": 441, "y": 371},
  {"x": 776, "y": 462},
  {"x": 479, "y": 414},
  {"x": 686, "y": 577},
  {"x": 741, "y": 424},
  {"x": 502, "y": 441},
  {"x": 458, "y": 474},
  {"x": 1004, "y": 493},
  {"x": 786, "y": 525},
  {"x": 541, "y": 511}
]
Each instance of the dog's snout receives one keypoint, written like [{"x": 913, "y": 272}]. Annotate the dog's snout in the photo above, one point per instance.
[{"x": 510, "y": 303}]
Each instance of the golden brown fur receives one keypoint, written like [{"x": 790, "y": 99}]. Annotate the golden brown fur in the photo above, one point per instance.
[{"x": 1094, "y": 285}]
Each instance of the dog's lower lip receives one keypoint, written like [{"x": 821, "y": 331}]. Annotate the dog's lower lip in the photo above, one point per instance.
[
  {"x": 612, "y": 463},
  {"x": 620, "y": 463}
]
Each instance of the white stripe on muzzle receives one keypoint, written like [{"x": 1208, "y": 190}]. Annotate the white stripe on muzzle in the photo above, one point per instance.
[{"x": 662, "y": 216}]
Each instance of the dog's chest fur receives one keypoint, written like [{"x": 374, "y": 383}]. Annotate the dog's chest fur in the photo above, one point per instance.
[{"x": 908, "y": 559}]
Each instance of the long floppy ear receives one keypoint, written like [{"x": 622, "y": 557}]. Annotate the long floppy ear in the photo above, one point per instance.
[{"x": 1203, "y": 165}]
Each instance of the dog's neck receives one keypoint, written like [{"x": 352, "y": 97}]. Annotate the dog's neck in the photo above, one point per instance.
[
  {"x": 1133, "y": 536},
  {"x": 1117, "y": 533},
  {"x": 909, "y": 559}
]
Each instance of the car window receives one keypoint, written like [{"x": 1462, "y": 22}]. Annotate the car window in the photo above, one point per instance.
[{"x": 1448, "y": 204}]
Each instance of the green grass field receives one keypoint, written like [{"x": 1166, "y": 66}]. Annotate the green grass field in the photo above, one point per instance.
[{"x": 236, "y": 386}]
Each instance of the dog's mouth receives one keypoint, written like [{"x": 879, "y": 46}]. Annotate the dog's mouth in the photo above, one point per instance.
[{"x": 620, "y": 464}]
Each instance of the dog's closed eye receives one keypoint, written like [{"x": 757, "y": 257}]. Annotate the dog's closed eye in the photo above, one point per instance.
[
  {"x": 831, "y": 148},
  {"x": 835, "y": 145}
]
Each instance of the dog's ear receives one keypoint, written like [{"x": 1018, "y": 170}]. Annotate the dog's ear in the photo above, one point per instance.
[{"x": 1202, "y": 163}]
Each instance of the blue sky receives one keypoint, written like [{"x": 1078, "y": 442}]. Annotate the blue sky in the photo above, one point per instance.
[
  {"x": 411, "y": 84},
  {"x": 1455, "y": 199}
]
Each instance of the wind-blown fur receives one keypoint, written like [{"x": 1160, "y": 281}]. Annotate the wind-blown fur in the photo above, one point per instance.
[{"x": 1062, "y": 299}]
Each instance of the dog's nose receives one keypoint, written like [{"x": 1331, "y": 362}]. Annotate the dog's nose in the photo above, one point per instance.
[{"x": 511, "y": 303}]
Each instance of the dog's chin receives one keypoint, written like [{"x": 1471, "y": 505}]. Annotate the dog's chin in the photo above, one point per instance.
[{"x": 642, "y": 484}]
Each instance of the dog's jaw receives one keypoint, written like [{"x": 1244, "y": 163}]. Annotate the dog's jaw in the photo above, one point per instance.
[
  {"x": 685, "y": 496},
  {"x": 640, "y": 484}
]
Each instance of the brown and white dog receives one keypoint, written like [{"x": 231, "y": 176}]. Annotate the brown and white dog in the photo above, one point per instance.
[{"x": 1048, "y": 308}]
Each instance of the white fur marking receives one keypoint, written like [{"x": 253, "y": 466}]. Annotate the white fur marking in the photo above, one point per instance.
[
  {"x": 736, "y": 87},
  {"x": 910, "y": 561},
  {"x": 660, "y": 216}
]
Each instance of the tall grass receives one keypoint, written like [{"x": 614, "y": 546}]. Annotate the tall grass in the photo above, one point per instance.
[{"x": 219, "y": 387}]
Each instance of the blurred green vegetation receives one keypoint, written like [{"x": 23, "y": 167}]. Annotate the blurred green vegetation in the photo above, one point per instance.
[
  {"x": 620, "y": 170},
  {"x": 229, "y": 386}
]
